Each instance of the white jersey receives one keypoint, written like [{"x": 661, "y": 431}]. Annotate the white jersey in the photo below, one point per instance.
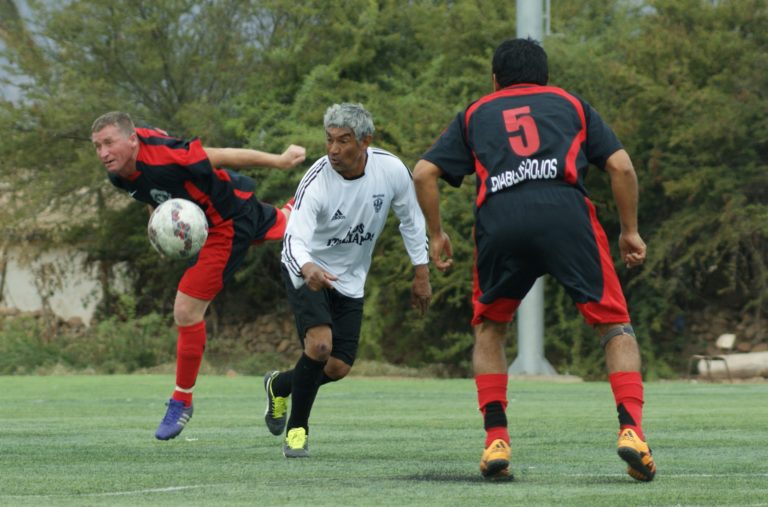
[{"x": 335, "y": 222}]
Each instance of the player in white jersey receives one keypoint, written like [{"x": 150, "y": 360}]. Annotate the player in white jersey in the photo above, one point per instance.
[{"x": 341, "y": 208}]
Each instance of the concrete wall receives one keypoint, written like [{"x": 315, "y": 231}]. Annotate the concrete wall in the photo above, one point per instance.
[{"x": 58, "y": 276}]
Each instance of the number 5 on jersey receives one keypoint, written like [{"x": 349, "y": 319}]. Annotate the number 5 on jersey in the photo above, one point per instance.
[{"x": 524, "y": 136}]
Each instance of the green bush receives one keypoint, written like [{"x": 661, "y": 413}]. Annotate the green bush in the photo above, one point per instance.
[
  {"x": 114, "y": 346},
  {"x": 23, "y": 348},
  {"x": 110, "y": 346},
  {"x": 226, "y": 354}
]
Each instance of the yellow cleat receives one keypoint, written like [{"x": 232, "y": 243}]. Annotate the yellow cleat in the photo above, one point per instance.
[
  {"x": 495, "y": 461},
  {"x": 277, "y": 406},
  {"x": 637, "y": 454},
  {"x": 296, "y": 444}
]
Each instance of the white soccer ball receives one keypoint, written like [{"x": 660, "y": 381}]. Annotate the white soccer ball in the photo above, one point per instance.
[{"x": 178, "y": 228}]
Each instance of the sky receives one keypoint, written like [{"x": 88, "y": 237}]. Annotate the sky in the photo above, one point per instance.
[{"x": 10, "y": 92}]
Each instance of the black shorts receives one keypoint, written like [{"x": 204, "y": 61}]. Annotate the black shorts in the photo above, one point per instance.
[
  {"x": 523, "y": 234},
  {"x": 327, "y": 307}
]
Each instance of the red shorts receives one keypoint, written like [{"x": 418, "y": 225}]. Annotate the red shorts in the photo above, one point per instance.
[{"x": 225, "y": 249}]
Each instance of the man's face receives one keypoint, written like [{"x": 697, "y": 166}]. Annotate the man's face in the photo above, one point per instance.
[
  {"x": 347, "y": 155},
  {"x": 116, "y": 150}
]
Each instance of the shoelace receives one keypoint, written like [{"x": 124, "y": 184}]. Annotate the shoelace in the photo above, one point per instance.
[{"x": 278, "y": 406}]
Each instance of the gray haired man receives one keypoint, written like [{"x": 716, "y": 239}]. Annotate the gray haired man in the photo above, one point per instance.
[{"x": 341, "y": 208}]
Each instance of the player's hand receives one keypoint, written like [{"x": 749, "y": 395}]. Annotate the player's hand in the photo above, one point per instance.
[
  {"x": 292, "y": 156},
  {"x": 440, "y": 244},
  {"x": 316, "y": 278},
  {"x": 632, "y": 249},
  {"x": 421, "y": 290}
]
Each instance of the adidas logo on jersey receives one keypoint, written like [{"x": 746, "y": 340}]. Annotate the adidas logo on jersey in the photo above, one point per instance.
[{"x": 338, "y": 215}]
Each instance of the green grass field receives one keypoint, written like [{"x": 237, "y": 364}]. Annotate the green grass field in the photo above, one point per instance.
[{"x": 88, "y": 440}]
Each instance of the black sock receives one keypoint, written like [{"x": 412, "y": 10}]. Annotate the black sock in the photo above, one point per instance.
[
  {"x": 281, "y": 385},
  {"x": 625, "y": 419},
  {"x": 306, "y": 381},
  {"x": 494, "y": 415},
  {"x": 326, "y": 379}
]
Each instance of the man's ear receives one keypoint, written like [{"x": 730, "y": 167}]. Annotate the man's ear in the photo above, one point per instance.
[{"x": 496, "y": 86}]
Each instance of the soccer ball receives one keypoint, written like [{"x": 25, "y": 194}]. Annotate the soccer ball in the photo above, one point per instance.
[{"x": 178, "y": 228}]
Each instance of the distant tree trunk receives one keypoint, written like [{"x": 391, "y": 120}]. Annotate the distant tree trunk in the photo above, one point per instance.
[
  {"x": 761, "y": 280},
  {"x": 3, "y": 270},
  {"x": 105, "y": 265}
]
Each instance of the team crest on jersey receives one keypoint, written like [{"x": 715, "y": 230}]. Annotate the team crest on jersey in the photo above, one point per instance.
[
  {"x": 159, "y": 196},
  {"x": 378, "y": 202}
]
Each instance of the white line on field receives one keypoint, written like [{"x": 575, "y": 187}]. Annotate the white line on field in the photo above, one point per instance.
[
  {"x": 666, "y": 474},
  {"x": 150, "y": 490},
  {"x": 169, "y": 489}
]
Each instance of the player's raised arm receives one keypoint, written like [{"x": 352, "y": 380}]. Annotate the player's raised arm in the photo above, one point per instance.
[{"x": 246, "y": 158}]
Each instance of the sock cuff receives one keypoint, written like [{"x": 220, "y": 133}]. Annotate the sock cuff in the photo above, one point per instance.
[
  {"x": 626, "y": 385},
  {"x": 625, "y": 377},
  {"x": 307, "y": 362},
  {"x": 491, "y": 379},
  {"x": 491, "y": 387},
  {"x": 184, "y": 396},
  {"x": 194, "y": 328}
]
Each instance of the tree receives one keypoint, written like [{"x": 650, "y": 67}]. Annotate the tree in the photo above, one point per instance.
[
  {"x": 681, "y": 82},
  {"x": 174, "y": 64}
]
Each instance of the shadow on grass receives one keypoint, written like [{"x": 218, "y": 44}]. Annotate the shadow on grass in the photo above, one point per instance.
[
  {"x": 453, "y": 477},
  {"x": 521, "y": 476}
]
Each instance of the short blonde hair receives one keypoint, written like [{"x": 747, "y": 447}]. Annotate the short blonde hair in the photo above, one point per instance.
[{"x": 120, "y": 119}]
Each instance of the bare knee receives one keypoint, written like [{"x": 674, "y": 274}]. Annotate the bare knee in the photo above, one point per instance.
[
  {"x": 318, "y": 343},
  {"x": 608, "y": 332},
  {"x": 488, "y": 354},
  {"x": 188, "y": 310},
  {"x": 621, "y": 350},
  {"x": 184, "y": 317},
  {"x": 337, "y": 369},
  {"x": 491, "y": 332},
  {"x": 318, "y": 351}
]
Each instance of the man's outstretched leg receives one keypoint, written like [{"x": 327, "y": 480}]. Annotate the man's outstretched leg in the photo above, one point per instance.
[
  {"x": 490, "y": 367},
  {"x": 306, "y": 378},
  {"x": 306, "y": 382},
  {"x": 622, "y": 356},
  {"x": 278, "y": 385},
  {"x": 189, "y": 355}
]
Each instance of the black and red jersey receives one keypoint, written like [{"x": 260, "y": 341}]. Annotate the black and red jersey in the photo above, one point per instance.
[
  {"x": 520, "y": 134},
  {"x": 168, "y": 167}
]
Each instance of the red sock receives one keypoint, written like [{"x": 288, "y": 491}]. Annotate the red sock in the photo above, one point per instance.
[
  {"x": 189, "y": 355},
  {"x": 627, "y": 387},
  {"x": 492, "y": 388}
]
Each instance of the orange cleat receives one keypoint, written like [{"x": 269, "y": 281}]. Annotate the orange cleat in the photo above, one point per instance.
[
  {"x": 637, "y": 454},
  {"x": 495, "y": 461}
]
